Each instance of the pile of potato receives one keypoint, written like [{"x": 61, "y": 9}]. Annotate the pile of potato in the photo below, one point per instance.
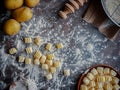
[{"x": 21, "y": 12}]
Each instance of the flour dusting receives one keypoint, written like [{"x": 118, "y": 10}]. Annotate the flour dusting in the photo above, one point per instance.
[{"x": 83, "y": 44}]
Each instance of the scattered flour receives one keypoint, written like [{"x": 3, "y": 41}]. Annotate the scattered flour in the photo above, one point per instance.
[{"x": 83, "y": 46}]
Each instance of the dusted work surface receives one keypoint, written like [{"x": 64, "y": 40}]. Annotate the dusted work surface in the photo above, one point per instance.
[{"x": 84, "y": 46}]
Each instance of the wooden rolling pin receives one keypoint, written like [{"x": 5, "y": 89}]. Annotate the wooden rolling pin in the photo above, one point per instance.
[{"x": 70, "y": 7}]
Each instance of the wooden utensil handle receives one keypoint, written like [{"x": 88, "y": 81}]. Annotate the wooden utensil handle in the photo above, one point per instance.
[{"x": 96, "y": 16}]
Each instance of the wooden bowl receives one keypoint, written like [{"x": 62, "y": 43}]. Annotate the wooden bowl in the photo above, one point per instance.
[{"x": 95, "y": 66}]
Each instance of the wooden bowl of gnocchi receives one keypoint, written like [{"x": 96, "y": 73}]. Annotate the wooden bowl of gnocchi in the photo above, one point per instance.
[{"x": 100, "y": 77}]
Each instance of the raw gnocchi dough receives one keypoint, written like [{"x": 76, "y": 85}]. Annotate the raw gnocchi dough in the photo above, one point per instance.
[
  {"x": 48, "y": 46},
  {"x": 21, "y": 59},
  {"x": 49, "y": 76},
  {"x": 28, "y": 60},
  {"x": 50, "y": 56},
  {"x": 59, "y": 45},
  {"x": 28, "y": 40},
  {"x": 67, "y": 72},
  {"x": 37, "y": 55},
  {"x": 37, "y": 40},
  {"x": 29, "y": 50},
  {"x": 12, "y": 51}
]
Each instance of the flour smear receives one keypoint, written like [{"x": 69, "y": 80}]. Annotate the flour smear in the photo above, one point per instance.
[{"x": 83, "y": 47}]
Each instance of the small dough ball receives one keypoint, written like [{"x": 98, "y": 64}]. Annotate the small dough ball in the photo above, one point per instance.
[
  {"x": 52, "y": 69},
  {"x": 49, "y": 76},
  {"x": 31, "y": 3},
  {"x": 67, "y": 72},
  {"x": 49, "y": 62},
  {"x": 13, "y": 4},
  {"x": 45, "y": 66},
  {"x": 36, "y": 62},
  {"x": 11, "y": 27},
  {"x": 22, "y": 14},
  {"x": 57, "y": 63}
]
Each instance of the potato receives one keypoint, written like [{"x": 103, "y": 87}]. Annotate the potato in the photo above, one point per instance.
[
  {"x": 11, "y": 27},
  {"x": 13, "y": 4},
  {"x": 22, "y": 14},
  {"x": 31, "y": 3}
]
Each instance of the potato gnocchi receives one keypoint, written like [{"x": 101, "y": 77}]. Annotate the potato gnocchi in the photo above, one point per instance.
[
  {"x": 100, "y": 78},
  {"x": 67, "y": 72},
  {"x": 37, "y": 40},
  {"x": 56, "y": 63},
  {"x": 59, "y": 45},
  {"x": 21, "y": 59},
  {"x": 48, "y": 46},
  {"x": 37, "y": 55},
  {"x": 28, "y": 40},
  {"x": 46, "y": 61},
  {"x": 12, "y": 51},
  {"x": 28, "y": 60},
  {"x": 45, "y": 66},
  {"x": 52, "y": 69},
  {"x": 29, "y": 50},
  {"x": 36, "y": 62},
  {"x": 49, "y": 76},
  {"x": 50, "y": 56},
  {"x": 49, "y": 62}
]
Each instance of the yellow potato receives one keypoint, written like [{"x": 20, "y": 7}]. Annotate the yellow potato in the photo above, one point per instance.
[
  {"x": 31, "y": 3},
  {"x": 13, "y": 4},
  {"x": 11, "y": 27},
  {"x": 22, "y": 14}
]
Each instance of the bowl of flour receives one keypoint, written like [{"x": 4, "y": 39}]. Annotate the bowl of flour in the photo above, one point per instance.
[{"x": 112, "y": 9}]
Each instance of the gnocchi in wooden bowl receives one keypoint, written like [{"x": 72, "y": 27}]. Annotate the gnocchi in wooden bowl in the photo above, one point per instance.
[{"x": 100, "y": 77}]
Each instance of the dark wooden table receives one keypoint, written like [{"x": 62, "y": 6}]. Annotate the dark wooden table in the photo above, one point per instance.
[{"x": 84, "y": 46}]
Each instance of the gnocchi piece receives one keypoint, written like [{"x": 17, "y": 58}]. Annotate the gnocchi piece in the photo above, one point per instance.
[
  {"x": 99, "y": 85},
  {"x": 100, "y": 89},
  {"x": 37, "y": 55},
  {"x": 106, "y": 70},
  {"x": 28, "y": 40},
  {"x": 27, "y": 61},
  {"x": 92, "y": 84},
  {"x": 113, "y": 73},
  {"x": 91, "y": 89},
  {"x": 12, "y": 51},
  {"x": 29, "y": 50},
  {"x": 48, "y": 46},
  {"x": 94, "y": 71},
  {"x": 36, "y": 62},
  {"x": 52, "y": 69},
  {"x": 100, "y": 78},
  {"x": 100, "y": 70},
  {"x": 67, "y": 72},
  {"x": 59, "y": 45},
  {"x": 45, "y": 66},
  {"x": 49, "y": 62},
  {"x": 116, "y": 87},
  {"x": 50, "y": 56},
  {"x": 21, "y": 59},
  {"x": 56, "y": 63},
  {"x": 108, "y": 78},
  {"x": 43, "y": 59},
  {"x": 90, "y": 76},
  {"x": 83, "y": 87},
  {"x": 49, "y": 76},
  {"x": 115, "y": 80},
  {"x": 37, "y": 40},
  {"x": 86, "y": 81},
  {"x": 108, "y": 86}
]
